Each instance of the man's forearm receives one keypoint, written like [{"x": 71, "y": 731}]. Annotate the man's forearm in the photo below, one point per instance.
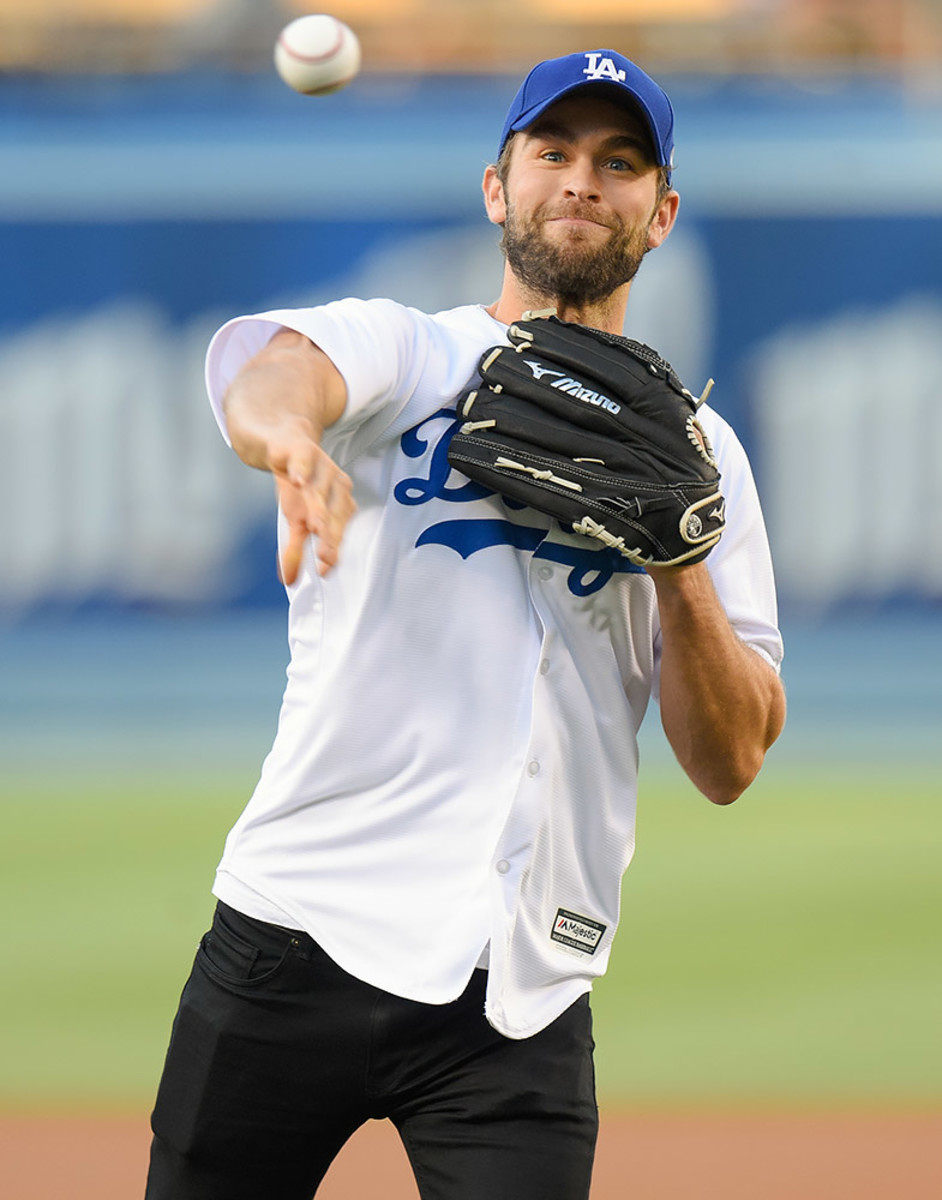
[
  {"x": 288, "y": 393},
  {"x": 722, "y": 705}
]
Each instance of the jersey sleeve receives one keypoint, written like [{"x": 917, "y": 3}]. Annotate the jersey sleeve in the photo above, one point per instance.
[
  {"x": 379, "y": 347},
  {"x": 740, "y": 564}
]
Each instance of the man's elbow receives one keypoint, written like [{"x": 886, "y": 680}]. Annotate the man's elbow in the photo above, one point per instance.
[
  {"x": 740, "y": 769},
  {"x": 723, "y": 772},
  {"x": 726, "y": 788}
]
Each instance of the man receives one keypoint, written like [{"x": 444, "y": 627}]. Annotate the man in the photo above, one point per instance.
[{"x": 415, "y": 902}]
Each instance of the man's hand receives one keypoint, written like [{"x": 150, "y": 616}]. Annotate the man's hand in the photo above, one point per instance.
[
  {"x": 597, "y": 431},
  {"x": 316, "y": 498},
  {"x": 277, "y": 409}
]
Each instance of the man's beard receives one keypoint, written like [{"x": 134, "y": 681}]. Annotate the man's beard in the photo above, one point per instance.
[{"x": 578, "y": 272}]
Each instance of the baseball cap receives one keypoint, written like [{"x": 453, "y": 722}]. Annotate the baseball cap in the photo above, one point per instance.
[{"x": 549, "y": 81}]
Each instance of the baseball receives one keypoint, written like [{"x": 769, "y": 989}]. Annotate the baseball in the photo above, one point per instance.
[{"x": 317, "y": 55}]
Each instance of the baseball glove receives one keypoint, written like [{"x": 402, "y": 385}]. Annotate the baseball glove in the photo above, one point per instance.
[{"x": 598, "y": 432}]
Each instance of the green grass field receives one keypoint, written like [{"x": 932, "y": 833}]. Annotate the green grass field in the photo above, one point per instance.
[{"x": 783, "y": 952}]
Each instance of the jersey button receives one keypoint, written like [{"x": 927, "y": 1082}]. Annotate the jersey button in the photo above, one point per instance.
[
  {"x": 503, "y": 866},
  {"x": 544, "y": 666},
  {"x": 533, "y": 767},
  {"x": 545, "y": 572}
]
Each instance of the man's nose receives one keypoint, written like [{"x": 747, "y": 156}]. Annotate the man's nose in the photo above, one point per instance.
[{"x": 582, "y": 181}]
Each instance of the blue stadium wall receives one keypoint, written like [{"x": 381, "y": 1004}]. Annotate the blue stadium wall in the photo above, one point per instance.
[{"x": 805, "y": 276}]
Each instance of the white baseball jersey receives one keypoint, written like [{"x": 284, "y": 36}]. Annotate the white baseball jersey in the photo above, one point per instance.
[{"x": 455, "y": 764}]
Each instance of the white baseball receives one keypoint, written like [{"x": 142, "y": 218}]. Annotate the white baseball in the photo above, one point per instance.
[{"x": 317, "y": 55}]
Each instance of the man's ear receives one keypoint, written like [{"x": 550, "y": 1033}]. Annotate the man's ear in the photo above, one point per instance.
[
  {"x": 663, "y": 220},
  {"x": 495, "y": 202}
]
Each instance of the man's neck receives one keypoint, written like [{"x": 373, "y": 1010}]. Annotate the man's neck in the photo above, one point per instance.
[{"x": 515, "y": 300}]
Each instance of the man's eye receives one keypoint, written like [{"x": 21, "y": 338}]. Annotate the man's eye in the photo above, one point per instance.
[
  {"x": 553, "y": 155},
  {"x": 619, "y": 164}
]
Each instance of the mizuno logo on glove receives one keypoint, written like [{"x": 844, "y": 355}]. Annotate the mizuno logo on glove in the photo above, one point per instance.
[
  {"x": 572, "y": 387},
  {"x": 539, "y": 370}
]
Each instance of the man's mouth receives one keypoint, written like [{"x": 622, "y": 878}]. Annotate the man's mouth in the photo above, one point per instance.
[{"x": 577, "y": 220}]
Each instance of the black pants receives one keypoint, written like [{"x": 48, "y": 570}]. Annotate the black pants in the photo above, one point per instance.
[{"x": 277, "y": 1056}]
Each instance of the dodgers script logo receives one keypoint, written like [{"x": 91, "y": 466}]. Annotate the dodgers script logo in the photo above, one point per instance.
[{"x": 590, "y": 569}]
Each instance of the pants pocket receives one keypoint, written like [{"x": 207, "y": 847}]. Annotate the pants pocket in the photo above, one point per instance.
[{"x": 238, "y": 957}]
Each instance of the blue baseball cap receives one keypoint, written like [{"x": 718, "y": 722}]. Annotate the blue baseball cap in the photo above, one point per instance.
[{"x": 549, "y": 81}]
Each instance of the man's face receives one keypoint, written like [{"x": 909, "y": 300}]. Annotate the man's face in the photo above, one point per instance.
[{"x": 579, "y": 204}]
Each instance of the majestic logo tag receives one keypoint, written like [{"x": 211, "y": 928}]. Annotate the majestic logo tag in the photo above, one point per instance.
[
  {"x": 578, "y": 933},
  {"x": 602, "y": 68}
]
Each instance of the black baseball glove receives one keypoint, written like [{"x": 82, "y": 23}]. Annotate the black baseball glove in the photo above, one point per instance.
[{"x": 597, "y": 431}]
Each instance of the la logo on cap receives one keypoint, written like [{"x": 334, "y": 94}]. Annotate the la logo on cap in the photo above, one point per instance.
[{"x": 602, "y": 68}]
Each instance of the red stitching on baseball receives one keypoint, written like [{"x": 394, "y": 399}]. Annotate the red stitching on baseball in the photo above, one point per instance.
[
  {"x": 312, "y": 58},
  {"x": 341, "y": 83}
]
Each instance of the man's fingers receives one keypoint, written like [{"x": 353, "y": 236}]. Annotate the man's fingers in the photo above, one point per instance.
[
  {"x": 339, "y": 507},
  {"x": 290, "y": 561},
  {"x": 316, "y": 498}
]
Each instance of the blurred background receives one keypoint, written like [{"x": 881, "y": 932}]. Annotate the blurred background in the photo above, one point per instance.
[{"x": 156, "y": 178}]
